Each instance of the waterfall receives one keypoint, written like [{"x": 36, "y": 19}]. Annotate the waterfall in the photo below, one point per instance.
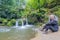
[
  {"x": 26, "y": 21},
  {"x": 23, "y": 26},
  {"x": 22, "y": 21},
  {"x": 17, "y": 23}
]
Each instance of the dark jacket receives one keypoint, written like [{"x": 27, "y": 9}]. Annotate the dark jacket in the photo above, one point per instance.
[{"x": 54, "y": 24}]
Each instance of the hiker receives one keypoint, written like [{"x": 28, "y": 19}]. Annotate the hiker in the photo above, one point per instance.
[{"x": 52, "y": 24}]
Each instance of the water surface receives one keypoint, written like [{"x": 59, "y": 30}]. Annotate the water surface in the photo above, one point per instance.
[{"x": 16, "y": 33}]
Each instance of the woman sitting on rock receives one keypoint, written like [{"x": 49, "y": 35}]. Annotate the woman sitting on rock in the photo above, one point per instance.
[{"x": 52, "y": 24}]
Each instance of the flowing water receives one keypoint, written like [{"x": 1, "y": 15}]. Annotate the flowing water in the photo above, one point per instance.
[
  {"x": 16, "y": 25},
  {"x": 24, "y": 32},
  {"x": 16, "y": 34}
]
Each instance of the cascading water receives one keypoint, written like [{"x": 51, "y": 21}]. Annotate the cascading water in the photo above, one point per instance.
[
  {"x": 22, "y": 24},
  {"x": 26, "y": 21},
  {"x": 17, "y": 23},
  {"x": 22, "y": 20}
]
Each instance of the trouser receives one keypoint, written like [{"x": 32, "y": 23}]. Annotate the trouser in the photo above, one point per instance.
[{"x": 47, "y": 27}]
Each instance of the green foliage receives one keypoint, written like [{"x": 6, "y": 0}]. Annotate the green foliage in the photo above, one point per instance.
[
  {"x": 11, "y": 22},
  {"x": 5, "y": 22},
  {"x": 34, "y": 4},
  {"x": 10, "y": 10},
  {"x": 42, "y": 3}
]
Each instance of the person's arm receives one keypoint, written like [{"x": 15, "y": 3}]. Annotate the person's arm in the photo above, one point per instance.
[{"x": 53, "y": 22}]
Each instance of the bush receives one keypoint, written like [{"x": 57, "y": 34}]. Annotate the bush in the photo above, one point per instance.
[
  {"x": 11, "y": 22},
  {"x": 3, "y": 22}
]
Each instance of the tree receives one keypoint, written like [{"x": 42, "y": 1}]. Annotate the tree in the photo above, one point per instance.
[{"x": 10, "y": 9}]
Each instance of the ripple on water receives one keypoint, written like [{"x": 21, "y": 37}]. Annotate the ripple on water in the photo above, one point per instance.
[
  {"x": 18, "y": 33},
  {"x": 4, "y": 30}
]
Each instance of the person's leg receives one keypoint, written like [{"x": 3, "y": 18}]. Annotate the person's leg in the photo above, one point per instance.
[
  {"x": 56, "y": 28},
  {"x": 45, "y": 27},
  {"x": 53, "y": 29}
]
